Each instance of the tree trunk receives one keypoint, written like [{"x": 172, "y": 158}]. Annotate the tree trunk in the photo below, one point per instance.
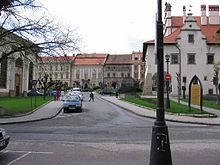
[{"x": 217, "y": 94}]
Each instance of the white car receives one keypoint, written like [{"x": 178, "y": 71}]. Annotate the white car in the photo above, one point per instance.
[
  {"x": 80, "y": 94},
  {"x": 76, "y": 89}
]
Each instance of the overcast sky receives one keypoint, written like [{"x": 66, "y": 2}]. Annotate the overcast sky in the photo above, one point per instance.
[{"x": 115, "y": 26}]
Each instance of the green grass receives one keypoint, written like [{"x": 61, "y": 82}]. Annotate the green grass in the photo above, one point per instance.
[
  {"x": 208, "y": 104},
  {"x": 20, "y": 105},
  {"x": 174, "y": 107}
]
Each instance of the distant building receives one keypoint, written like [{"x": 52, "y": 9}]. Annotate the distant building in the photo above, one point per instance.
[
  {"x": 57, "y": 67},
  {"x": 193, "y": 44},
  {"x": 87, "y": 70},
  {"x": 138, "y": 69},
  {"x": 118, "y": 70},
  {"x": 95, "y": 69}
]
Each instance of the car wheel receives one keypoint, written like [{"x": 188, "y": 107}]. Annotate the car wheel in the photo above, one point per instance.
[
  {"x": 65, "y": 110},
  {"x": 80, "y": 110}
]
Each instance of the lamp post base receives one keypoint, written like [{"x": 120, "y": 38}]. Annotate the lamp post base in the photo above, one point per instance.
[{"x": 160, "y": 146}]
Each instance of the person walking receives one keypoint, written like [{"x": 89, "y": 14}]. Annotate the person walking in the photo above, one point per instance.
[{"x": 91, "y": 97}]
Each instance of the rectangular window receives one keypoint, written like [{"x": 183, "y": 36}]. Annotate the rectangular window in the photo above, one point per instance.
[
  {"x": 122, "y": 74},
  {"x": 174, "y": 59},
  {"x": 191, "y": 58},
  {"x": 210, "y": 58},
  {"x": 191, "y": 38},
  {"x": 108, "y": 74},
  {"x": 210, "y": 91},
  {"x": 67, "y": 75},
  {"x": 113, "y": 74}
]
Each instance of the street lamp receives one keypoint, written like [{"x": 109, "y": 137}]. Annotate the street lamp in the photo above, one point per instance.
[
  {"x": 160, "y": 146},
  {"x": 167, "y": 56}
]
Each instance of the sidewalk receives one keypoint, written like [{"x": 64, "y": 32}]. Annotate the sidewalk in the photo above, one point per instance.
[
  {"x": 47, "y": 111},
  {"x": 53, "y": 108},
  {"x": 151, "y": 113}
]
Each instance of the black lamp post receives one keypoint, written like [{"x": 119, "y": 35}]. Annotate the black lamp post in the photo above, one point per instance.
[
  {"x": 160, "y": 145},
  {"x": 167, "y": 82}
]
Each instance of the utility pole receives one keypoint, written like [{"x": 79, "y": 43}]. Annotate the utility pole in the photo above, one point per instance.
[{"x": 160, "y": 145}]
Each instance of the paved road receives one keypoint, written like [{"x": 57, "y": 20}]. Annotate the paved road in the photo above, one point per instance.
[{"x": 105, "y": 134}]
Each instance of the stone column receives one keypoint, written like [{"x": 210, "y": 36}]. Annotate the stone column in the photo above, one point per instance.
[
  {"x": 11, "y": 76},
  {"x": 25, "y": 79}
]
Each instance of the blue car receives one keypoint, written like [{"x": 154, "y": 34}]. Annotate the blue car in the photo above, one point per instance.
[
  {"x": 72, "y": 103},
  {"x": 34, "y": 93}
]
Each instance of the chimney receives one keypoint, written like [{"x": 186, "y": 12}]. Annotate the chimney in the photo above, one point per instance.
[
  {"x": 184, "y": 14},
  {"x": 203, "y": 15},
  {"x": 214, "y": 14}
]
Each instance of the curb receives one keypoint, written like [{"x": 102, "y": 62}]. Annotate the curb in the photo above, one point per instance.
[
  {"x": 170, "y": 120},
  {"x": 27, "y": 121}
]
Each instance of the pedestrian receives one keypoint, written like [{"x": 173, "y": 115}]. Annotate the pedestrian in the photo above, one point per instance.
[
  {"x": 62, "y": 93},
  {"x": 91, "y": 97}
]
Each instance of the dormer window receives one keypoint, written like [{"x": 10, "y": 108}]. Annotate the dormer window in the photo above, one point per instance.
[{"x": 191, "y": 38}]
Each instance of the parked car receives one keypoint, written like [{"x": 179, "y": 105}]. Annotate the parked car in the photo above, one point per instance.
[
  {"x": 77, "y": 93},
  {"x": 34, "y": 93},
  {"x": 76, "y": 89},
  {"x": 4, "y": 139},
  {"x": 72, "y": 103}
]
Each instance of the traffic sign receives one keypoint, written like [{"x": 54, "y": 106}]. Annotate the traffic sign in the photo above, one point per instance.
[{"x": 167, "y": 77}]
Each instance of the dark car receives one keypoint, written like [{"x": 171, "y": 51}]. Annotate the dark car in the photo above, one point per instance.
[
  {"x": 4, "y": 139},
  {"x": 34, "y": 93}
]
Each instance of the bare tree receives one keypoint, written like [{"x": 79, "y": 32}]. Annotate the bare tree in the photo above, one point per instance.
[{"x": 26, "y": 26}]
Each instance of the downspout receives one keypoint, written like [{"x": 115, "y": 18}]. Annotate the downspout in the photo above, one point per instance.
[{"x": 179, "y": 74}]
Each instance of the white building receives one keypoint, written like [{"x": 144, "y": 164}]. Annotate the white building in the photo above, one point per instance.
[
  {"x": 17, "y": 68},
  {"x": 57, "y": 67},
  {"x": 193, "y": 43}
]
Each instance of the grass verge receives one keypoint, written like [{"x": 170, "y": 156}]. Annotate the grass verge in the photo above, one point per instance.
[
  {"x": 174, "y": 107},
  {"x": 20, "y": 105}
]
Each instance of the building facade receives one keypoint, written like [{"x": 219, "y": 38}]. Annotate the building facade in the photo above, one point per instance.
[
  {"x": 57, "y": 67},
  {"x": 192, "y": 44},
  {"x": 118, "y": 71},
  {"x": 87, "y": 70},
  {"x": 138, "y": 68},
  {"x": 18, "y": 69}
]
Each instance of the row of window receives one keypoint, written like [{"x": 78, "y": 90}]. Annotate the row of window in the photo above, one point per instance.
[
  {"x": 117, "y": 75},
  {"x": 53, "y": 68},
  {"x": 191, "y": 58},
  {"x": 57, "y": 75},
  {"x": 117, "y": 68}
]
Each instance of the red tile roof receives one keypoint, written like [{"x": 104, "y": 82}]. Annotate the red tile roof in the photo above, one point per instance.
[
  {"x": 90, "y": 59},
  {"x": 211, "y": 32},
  {"x": 57, "y": 58},
  {"x": 119, "y": 59}
]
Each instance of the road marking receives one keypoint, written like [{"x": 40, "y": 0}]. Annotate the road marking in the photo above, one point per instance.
[
  {"x": 26, "y": 153},
  {"x": 19, "y": 158},
  {"x": 32, "y": 152}
]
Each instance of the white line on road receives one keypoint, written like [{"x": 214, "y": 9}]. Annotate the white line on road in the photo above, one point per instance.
[
  {"x": 33, "y": 152},
  {"x": 24, "y": 155}
]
